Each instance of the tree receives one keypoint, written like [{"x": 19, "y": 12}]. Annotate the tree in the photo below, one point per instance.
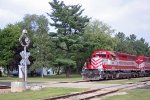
[
  {"x": 121, "y": 36},
  {"x": 122, "y": 44},
  {"x": 34, "y": 23},
  {"x": 67, "y": 19},
  {"x": 132, "y": 45},
  {"x": 9, "y": 42},
  {"x": 98, "y": 36},
  {"x": 41, "y": 45},
  {"x": 68, "y": 63},
  {"x": 132, "y": 37},
  {"x": 125, "y": 44},
  {"x": 142, "y": 47},
  {"x": 70, "y": 24},
  {"x": 42, "y": 52}
]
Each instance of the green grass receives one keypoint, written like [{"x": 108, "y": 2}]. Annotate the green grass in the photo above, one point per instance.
[
  {"x": 137, "y": 94},
  {"x": 60, "y": 78},
  {"x": 74, "y": 77},
  {"x": 57, "y": 78},
  {"x": 123, "y": 81},
  {"x": 38, "y": 95}
]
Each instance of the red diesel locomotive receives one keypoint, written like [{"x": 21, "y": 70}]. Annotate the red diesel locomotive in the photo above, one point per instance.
[{"x": 105, "y": 64}]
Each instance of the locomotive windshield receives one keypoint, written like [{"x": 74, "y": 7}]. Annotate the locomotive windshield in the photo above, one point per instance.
[{"x": 103, "y": 54}]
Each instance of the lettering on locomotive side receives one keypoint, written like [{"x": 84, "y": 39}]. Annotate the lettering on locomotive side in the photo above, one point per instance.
[
  {"x": 126, "y": 63},
  {"x": 120, "y": 63},
  {"x": 147, "y": 64}
]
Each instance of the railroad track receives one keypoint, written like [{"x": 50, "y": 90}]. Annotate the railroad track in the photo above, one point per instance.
[
  {"x": 5, "y": 87},
  {"x": 76, "y": 81},
  {"x": 80, "y": 81},
  {"x": 87, "y": 95}
]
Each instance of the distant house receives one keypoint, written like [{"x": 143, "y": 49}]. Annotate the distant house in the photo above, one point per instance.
[
  {"x": 1, "y": 71},
  {"x": 46, "y": 71}
]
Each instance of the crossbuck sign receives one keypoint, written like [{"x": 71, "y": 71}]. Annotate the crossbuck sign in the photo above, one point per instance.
[{"x": 25, "y": 59}]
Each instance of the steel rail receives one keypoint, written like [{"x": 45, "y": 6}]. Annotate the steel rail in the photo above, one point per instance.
[{"x": 98, "y": 90}]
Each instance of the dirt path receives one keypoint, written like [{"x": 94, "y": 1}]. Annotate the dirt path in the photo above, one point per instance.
[{"x": 89, "y": 85}]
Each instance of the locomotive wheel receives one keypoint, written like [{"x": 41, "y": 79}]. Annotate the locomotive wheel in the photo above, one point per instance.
[{"x": 106, "y": 77}]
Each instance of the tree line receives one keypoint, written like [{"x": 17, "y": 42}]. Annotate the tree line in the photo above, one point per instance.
[{"x": 75, "y": 38}]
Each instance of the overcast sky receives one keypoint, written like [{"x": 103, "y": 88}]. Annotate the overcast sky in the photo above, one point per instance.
[{"x": 128, "y": 16}]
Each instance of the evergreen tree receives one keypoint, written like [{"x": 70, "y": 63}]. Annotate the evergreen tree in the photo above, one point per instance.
[
  {"x": 132, "y": 45},
  {"x": 70, "y": 24},
  {"x": 67, "y": 19}
]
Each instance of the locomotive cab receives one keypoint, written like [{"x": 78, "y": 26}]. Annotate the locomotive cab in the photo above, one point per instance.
[{"x": 94, "y": 67}]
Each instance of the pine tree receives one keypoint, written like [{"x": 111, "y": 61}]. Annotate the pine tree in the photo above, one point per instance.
[{"x": 70, "y": 24}]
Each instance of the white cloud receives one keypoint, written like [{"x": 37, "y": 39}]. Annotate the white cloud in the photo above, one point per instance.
[
  {"x": 12, "y": 11},
  {"x": 128, "y": 16}
]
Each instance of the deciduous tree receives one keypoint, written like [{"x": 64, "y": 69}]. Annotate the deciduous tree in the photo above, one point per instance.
[{"x": 8, "y": 43}]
